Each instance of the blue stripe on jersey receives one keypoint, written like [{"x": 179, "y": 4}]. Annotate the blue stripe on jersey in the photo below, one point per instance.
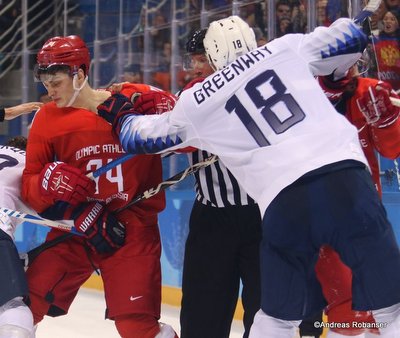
[{"x": 351, "y": 43}]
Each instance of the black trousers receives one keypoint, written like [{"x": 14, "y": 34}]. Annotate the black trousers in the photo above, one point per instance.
[{"x": 222, "y": 248}]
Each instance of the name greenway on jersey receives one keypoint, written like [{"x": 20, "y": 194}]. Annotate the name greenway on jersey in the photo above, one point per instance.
[{"x": 227, "y": 74}]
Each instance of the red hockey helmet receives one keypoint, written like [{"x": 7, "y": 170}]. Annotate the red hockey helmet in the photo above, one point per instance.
[{"x": 68, "y": 51}]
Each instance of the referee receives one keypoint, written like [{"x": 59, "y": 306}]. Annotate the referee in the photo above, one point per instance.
[{"x": 222, "y": 247}]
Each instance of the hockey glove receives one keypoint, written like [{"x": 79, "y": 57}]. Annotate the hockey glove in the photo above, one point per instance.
[
  {"x": 104, "y": 233},
  {"x": 148, "y": 103},
  {"x": 376, "y": 106},
  {"x": 116, "y": 103},
  {"x": 154, "y": 102},
  {"x": 63, "y": 182}
]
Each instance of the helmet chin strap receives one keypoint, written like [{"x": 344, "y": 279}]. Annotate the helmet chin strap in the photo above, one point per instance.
[{"x": 76, "y": 89}]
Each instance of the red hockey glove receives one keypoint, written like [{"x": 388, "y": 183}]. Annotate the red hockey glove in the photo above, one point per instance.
[
  {"x": 148, "y": 103},
  {"x": 63, "y": 182},
  {"x": 104, "y": 233},
  {"x": 376, "y": 106},
  {"x": 116, "y": 103},
  {"x": 154, "y": 102}
]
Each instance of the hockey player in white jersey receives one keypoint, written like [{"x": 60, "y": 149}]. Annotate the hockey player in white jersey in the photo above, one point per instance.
[
  {"x": 270, "y": 123},
  {"x": 16, "y": 320}
]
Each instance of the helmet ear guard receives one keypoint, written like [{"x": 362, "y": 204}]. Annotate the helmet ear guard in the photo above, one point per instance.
[{"x": 227, "y": 39}]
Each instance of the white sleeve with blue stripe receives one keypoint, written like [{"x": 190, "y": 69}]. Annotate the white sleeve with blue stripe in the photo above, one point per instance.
[{"x": 148, "y": 134}]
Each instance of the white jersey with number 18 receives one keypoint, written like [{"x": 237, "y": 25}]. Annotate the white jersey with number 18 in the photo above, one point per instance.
[{"x": 264, "y": 115}]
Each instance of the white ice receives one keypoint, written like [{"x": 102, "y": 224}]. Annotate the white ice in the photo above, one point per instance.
[{"x": 86, "y": 319}]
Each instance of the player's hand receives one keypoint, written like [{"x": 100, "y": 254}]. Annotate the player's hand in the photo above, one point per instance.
[
  {"x": 154, "y": 102},
  {"x": 117, "y": 87},
  {"x": 103, "y": 232},
  {"x": 376, "y": 106},
  {"x": 63, "y": 182},
  {"x": 24, "y": 108},
  {"x": 148, "y": 103},
  {"x": 115, "y": 104}
]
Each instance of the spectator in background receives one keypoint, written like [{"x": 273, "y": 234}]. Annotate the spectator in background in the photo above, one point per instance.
[
  {"x": 160, "y": 32},
  {"x": 283, "y": 9},
  {"x": 133, "y": 73},
  {"x": 284, "y": 27},
  {"x": 299, "y": 17},
  {"x": 283, "y": 17},
  {"x": 162, "y": 76},
  {"x": 322, "y": 13},
  {"x": 375, "y": 23},
  {"x": 387, "y": 49},
  {"x": 336, "y": 9},
  {"x": 392, "y": 4},
  {"x": 262, "y": 40}
]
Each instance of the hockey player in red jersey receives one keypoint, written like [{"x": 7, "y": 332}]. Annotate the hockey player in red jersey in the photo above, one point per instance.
[
  {"x": 366, "y": 104},
  {"x": 68, "y": 140}
]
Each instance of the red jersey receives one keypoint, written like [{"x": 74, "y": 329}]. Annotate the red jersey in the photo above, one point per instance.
[
  {"x": 82, "y": 139},
  {"x": 384, "y": 140}
]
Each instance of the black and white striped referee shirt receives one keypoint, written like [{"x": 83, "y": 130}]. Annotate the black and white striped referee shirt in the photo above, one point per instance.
[{"x": 215, "y": 184}]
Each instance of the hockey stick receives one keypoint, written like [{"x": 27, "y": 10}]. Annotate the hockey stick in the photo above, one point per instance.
[
  {"x": 170, "y": 181},
  {"x": 367, "y": 11},
  {"x": 31, "y": 255},
  {"x": 110, "y": 165},
  {"x": 102, "y": 170},
  {"x": 40, "y": 221}
]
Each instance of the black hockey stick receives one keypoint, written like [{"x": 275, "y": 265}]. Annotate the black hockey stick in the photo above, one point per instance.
[
  {"x": 170, "y": 181},
  {"x": 33, "y": 253}
]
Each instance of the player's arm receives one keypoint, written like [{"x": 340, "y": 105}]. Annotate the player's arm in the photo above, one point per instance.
[
  {"x": 147, "y": 113},
  {"x": 24, "y": 108},
  {"x": 332, "y": 49}
]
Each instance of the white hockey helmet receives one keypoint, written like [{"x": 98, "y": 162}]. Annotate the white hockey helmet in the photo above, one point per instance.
[{"x": 227, "y": 39}]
